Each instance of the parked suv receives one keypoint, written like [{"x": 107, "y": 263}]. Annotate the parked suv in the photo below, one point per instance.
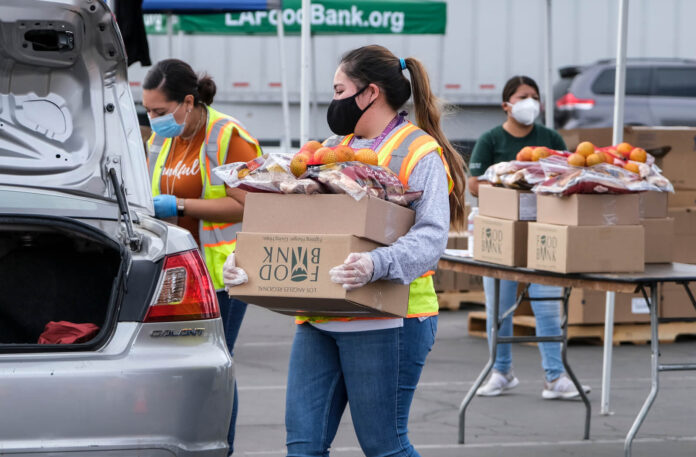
[
  {"x": 78, "y": 244},
  {"x": 658, "y": 92}
]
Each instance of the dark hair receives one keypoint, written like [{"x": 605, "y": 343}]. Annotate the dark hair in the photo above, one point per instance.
[
  {"x": 176, "y": 79},
  {"x": 377, "y": 65},
  {"x": 514, "y": 83}
]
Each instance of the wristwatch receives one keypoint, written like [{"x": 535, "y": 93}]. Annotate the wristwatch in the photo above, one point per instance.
[{"x": 180, "y": 206}]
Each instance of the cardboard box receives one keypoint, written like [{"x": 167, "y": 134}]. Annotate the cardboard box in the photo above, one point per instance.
[
  {"x": 653, "y": 204},
  {"x": 684, "y": 248},
  {"x": 679, "y": 145},
  {"x": 371, "y": 218},
  {"x": 589, "y": 209},
  {"x": 598, "y": 136},
  {"x": 586, "y": 249},
  {"x": 503, "y": 203},
  {"x": 289, "y": 274},
  {"x": 659, "y": 239},
  {"x": 675, "y": 302},
  {"x": 500, "y": 241},
  {"x": 589, "y": 307},
  {"x": 682, "y": 198}
]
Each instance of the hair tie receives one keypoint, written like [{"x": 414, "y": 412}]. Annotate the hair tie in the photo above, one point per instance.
[{"x": 403, "y": 64}]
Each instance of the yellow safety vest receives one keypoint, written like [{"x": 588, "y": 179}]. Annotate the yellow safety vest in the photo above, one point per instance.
[
  {"x": 218, "y": 239},
  {"x": 400, "y": 153}
]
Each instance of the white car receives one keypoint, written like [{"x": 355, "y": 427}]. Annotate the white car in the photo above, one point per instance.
[{"x": 79, "y": 245}]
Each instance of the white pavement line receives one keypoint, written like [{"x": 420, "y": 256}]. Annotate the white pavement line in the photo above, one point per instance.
[{"x": 503, "y": 445}]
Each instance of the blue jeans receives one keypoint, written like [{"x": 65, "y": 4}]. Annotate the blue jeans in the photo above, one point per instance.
[
  {"x": 232, "y": 313},
  {"x": 374, "y": 372},
  {"x": 548, "y": 323}
]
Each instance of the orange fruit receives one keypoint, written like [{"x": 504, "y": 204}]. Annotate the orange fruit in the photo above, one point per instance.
[
  {"x": 632, "y": 166},
  {"x": 595, "y": 158},
  {"x": 344, "y": 153},
  {"x": 525, "y": 154},
  {"x": 243, "y": 173},
  {"x": 576, "y": 160},
  {"x": 367, "y": 156},
  {"x": 298, "y": 164},
  {"x": 539, "y": 153},
  {"x": 624, "y": 149},
  {"x": 329, "y": 156},
  {"x": 319, "y": 154},
  {"x": 638, "y": 155},
  {"x": 585, "y": 148},
  {"x": 311, "y": 146}
]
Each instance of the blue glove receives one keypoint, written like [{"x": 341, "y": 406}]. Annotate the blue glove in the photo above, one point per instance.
[{"x": 165, "y": 206}]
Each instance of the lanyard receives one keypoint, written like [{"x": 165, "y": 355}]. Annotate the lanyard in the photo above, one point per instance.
[{"x": 398, "y": 119}]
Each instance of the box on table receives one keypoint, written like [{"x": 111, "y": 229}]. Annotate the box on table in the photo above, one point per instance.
[
  {"x": 653, "y": 204},
  {"x": 500, "y": 241},
  {"x": 289, "y": 274},
  {"x": 372, "y": 218},
  {"x": 589, "y": 209},
  {"x": 589, "y": 307},
  {"x": 659, "y": 239},
  {"x": 684, "y": 248},
  {"x": 503, "y": 203},
  {"x": 586, "y": 249},
  {"x": 682, "y": 198},
  {"x": 675, "y": 302},
  {"x": 679, "y": 143}
]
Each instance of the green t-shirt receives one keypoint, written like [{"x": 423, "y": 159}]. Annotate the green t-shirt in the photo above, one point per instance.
[{"x": 497, "y": 145}]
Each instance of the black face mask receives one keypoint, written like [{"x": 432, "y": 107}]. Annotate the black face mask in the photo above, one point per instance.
[{"x": 343, "y": 114}]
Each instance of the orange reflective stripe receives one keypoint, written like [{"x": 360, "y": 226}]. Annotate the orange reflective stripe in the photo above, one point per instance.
[
  {"x": 218, "y": 226},
  {"x": 347, "y": 139},
  {"x": 416, "y": 150},
  {"x": 427, "y": 273},
  {"x": 221, "y": 243},
  {"x": 384, "y": 153},
  {"x": 434, "y": 313}
]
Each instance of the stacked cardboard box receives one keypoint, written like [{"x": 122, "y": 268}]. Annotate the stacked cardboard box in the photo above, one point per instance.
[
  {"x": 500, "y": 229},
  {"x": 454, "y": 281},
  {"x": 585, "y": 233},
  {"x": 659, "y": 229},
  {"x": 290, "y": 242}
]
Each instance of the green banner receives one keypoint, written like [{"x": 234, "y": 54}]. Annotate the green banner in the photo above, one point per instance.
[{"x": 328, "y": 17}]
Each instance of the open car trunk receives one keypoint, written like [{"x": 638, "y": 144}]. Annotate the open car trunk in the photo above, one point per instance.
[{"x": 56, "y": 269}]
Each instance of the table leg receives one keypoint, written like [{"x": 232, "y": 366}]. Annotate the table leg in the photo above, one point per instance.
[
  {"x": 608, "y": 352},
  {"x": 654, "y": 372},
  {"x": 564, "y": 353},
  {"x": 493, "y": 350}
]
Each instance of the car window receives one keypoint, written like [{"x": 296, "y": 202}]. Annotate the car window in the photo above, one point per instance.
[
  {"x": 637, "y": 82},
  {"x": 675, "y": 82}
]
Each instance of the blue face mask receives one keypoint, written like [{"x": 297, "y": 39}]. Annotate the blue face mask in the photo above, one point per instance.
[{"x": 166, "y": 125}]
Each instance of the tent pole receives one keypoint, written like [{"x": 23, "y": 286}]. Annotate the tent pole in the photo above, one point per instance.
[
  {"x": 170, "y": 33},
  {"x": 304, "y": 71},
  {"x": 285, "y": 144},
  {"x": 548, "y": 69}
]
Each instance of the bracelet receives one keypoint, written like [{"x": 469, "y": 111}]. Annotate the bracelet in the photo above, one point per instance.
[{"x": 180, "y": 206}]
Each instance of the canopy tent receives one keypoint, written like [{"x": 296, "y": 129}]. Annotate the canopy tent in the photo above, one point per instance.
[{"x": 617, "y": 137}]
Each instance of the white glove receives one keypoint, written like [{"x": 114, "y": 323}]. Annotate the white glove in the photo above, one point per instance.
[
  {"x": 356, "y": 271},
  {"x": 232, "y": 275}
]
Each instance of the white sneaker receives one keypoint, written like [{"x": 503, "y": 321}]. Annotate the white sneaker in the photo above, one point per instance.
[
  {"x": 562, "y": 388},
  {"x": 497, "y": 384}
]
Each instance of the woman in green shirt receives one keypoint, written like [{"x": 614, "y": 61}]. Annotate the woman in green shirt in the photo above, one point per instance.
[{"x": 501, "y": 144}]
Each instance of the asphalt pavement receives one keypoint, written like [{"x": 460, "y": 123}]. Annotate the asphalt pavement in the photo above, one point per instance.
[{"x": 519, "y": 423}]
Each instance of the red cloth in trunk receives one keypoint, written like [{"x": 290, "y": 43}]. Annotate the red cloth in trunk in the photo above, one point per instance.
[{"x": 63, "y": 332}]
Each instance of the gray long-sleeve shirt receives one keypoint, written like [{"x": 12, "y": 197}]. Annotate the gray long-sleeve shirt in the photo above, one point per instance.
[{"x": 420, "y": 249}]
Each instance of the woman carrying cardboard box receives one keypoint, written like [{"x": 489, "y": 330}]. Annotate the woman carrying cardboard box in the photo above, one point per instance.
[
  {"x": 373, "y": 365},
  {"x": 501, "y": 144}
]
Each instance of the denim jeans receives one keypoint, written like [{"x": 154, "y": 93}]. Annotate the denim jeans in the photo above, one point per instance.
[
  {"x": 232, "y": 313},
  {"x": 374, "y": 372},
  {"x": 548, "y": 323}
]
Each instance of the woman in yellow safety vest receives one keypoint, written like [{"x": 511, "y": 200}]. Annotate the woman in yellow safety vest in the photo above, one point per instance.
[
  {"x": 373, "y": 365},
  {"x": 189, "y": 140}
]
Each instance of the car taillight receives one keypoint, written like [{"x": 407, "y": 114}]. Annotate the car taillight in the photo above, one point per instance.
[
  {"x": 186, "y": 292},
  {"x": 570, "y": 102}
]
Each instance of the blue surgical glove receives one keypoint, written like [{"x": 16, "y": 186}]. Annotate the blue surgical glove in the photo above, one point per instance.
[{"x": 165, "y": 206}]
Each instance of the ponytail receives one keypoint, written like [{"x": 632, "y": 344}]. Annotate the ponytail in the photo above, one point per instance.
[{"x": 428, "y": 113}]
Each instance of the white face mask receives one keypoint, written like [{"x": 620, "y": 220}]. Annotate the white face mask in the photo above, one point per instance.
[{"x": 525, "y": 111}]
